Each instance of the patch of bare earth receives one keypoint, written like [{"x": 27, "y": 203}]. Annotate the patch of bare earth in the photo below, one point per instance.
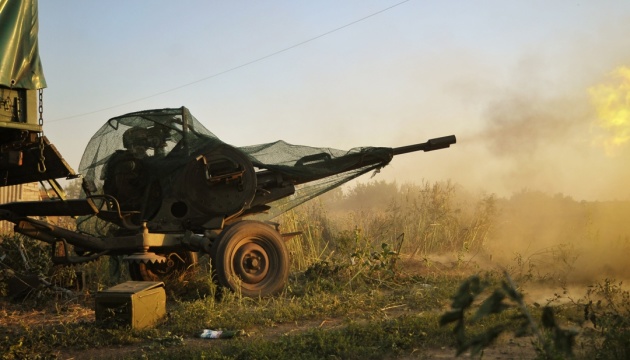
[{"x": 15, "y": 316}]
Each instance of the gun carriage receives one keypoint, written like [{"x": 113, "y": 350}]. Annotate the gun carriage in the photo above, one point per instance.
[{"x": 159, "y": 189}]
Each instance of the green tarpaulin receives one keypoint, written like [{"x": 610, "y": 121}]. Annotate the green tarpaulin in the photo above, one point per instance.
[{"x": 20, "y": 66}]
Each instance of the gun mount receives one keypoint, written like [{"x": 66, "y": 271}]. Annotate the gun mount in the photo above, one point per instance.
[
  {"x": 159, "y": 187},
  {"x": 168, "y": 188}
]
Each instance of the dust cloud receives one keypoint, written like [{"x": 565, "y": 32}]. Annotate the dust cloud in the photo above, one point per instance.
[
  {"x": 563, "y": 193},
  {"x": 559, "y": 239},
  {"x": 550, "y": 144},
  {"x": 533, "y": 124},
  {"x": 566, "y": 199}
]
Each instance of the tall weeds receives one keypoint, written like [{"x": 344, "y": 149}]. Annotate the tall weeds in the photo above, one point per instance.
[{"x": 412, "y": 219}]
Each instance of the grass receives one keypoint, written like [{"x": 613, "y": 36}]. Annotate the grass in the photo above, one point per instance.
[
  {"x": 373, "y": 339},
  {"x": 362, "y": 315}
]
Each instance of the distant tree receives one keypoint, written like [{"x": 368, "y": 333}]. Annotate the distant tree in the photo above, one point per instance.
[
  {"x": 371, "y": 195},
  {"x": 73, "y": 189}
]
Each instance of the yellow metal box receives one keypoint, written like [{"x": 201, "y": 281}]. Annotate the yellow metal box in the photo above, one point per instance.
[{"x": 139, "y": 304}]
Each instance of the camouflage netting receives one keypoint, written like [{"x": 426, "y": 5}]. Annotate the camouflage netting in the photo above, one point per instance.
[{"x": 170, "y": 139}]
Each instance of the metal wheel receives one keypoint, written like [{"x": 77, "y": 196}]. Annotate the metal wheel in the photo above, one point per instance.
[
  {"x": 250, "y": 257},
  {"x": 176, "y": 264}
]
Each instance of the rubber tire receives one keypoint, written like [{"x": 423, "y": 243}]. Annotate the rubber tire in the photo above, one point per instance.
[
  {"x": 250, "y": 258},
  {"x": 162, "y": 271}
]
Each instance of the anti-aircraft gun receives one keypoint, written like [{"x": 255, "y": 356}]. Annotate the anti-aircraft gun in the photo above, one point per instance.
[{"x": 159, "y": 188}]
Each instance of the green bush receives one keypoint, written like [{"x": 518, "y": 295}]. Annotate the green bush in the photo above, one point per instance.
[{"x": 607, "y": 308}]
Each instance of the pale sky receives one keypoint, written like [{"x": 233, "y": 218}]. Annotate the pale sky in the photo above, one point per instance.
[{"x": 509, "y": 78}]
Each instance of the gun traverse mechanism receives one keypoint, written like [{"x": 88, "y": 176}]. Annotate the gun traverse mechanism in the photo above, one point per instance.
[{"x": 168, "y": 188}]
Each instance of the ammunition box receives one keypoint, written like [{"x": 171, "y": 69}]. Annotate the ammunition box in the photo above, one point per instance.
[{"x": 138, "y": 304}]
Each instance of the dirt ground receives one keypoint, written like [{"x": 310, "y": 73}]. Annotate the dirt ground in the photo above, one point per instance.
[
  {"x": 12, "y": 314},
  {"x": 505, "y": 349}
]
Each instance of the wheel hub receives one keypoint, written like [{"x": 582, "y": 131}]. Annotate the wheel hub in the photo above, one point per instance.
[{"x": 251, "y": 263}]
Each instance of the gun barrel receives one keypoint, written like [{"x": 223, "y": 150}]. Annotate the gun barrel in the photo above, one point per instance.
[{"x": 433, "y": 144}]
